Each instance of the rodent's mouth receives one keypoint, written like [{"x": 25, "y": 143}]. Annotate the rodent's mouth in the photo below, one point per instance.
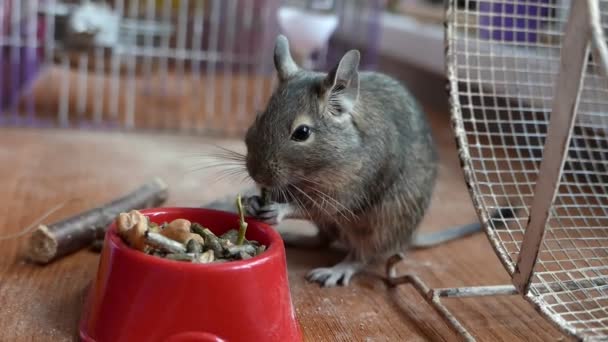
[
  {"x": 281, "y": 193},
  {"x": 276, "y": 182}
]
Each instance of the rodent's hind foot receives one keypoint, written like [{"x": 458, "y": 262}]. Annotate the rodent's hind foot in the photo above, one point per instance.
[{"x": 337, "y": 275}]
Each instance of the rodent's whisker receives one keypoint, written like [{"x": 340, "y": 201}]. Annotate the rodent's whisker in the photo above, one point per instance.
[
  {"x": 339, "y": 207},
  {"x": 220, "y": 162},
  {"x": 210, "y": 160},
  {"x": 358, "y": 201},
  {"x": 229, "y": 152},
  {"x": 212, "y": 166},
  {"x": 226, "y": 174},
  {"x": 299, "y": 203},
  {"x": 315, "y": 203},
  {"x": 219, "y": 156},
  {"x": 288, "y": 195},
  {"x": 194, "y": 156},
  {"x": 309, "y": 180},
  {"x": 281, "y": 192},
  {"x": 239, "y": 170},
  {"x": 312, "y": 184},
  {"x": 226, "y": 149},
  {"x": 222, "y": 152},
  {"x": 334, "y": 203},
  {"x": 335, "y": 175},
  {"x": 243, "y": 179},
  {"x": 284, "y": 194},
  {"x": 219, "y": 159},
  {"x": 222, "y": 171},
  {"x": 277, "y": 192}
]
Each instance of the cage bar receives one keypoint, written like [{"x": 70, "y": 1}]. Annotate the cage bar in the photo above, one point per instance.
[{"x": 562, "y": 120}]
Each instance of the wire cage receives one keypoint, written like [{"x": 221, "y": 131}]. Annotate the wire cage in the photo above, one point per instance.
[
  {"x": 197, "y": 66},
  {"x": 529, "y": 100}
]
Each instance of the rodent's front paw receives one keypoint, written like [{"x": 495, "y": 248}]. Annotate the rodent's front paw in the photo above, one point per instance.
[
  {"x": 252, "y": 205},
  {"x": 269, "y": 213},
  {"x": 274, "y": 213}
]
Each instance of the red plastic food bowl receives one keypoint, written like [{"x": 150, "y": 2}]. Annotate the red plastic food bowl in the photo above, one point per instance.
[{"x": 139, "y": 297}]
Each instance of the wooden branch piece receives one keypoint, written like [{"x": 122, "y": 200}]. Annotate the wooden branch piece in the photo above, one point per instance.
[{"x": 51, "y": 242}]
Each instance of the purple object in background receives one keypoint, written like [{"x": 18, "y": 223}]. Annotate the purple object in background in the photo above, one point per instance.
[
  {"x": 513, "y": 20},
  {"x": 19, "y": 63},
  {"x": 19, "y": 67},
  {"x": 363, "y": 22}
]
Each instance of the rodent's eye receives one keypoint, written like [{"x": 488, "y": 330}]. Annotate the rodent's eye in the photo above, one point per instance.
[{"x": 301, "y": 133}]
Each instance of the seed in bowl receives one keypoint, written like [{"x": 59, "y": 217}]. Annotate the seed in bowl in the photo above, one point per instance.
[{"x": 187, "y": 241}]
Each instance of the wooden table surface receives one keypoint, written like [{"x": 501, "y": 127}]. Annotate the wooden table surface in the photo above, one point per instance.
[{"x": 39, "y": 169}]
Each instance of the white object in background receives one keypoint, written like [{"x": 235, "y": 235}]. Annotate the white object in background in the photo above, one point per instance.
[
  {"x": 98, "y": 21},
  {"x": 307, "y": 31}
]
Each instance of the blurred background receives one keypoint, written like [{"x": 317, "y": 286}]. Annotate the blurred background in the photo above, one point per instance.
[
  {"x": 197, "y": 71},
  {"x": 196, "y": 66}
]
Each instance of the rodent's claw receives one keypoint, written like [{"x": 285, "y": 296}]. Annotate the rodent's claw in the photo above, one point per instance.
[
  {"x": 252, "y": 205},
  {"x": 269, "y": 213},
  {"x": 338, "y": 275}
]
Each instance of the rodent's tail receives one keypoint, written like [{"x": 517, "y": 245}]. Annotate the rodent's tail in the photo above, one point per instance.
[{"x": 436, "y": 238}]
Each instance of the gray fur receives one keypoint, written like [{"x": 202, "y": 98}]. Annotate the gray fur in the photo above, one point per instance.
[{"x": 371, "y": 150}]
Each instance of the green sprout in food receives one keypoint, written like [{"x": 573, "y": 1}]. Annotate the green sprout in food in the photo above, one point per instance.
[{"x": 242, "y": 223}]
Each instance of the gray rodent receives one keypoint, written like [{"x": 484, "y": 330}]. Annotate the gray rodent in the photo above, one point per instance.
[{"x": 350, "y": 151}]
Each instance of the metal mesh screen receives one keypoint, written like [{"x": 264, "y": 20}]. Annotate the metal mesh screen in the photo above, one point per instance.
[
  {"x": 187, "y": 65},
  {"x": 503, "y": 60}
]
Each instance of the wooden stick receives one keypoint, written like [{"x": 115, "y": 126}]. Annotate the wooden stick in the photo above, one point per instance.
[
  {"x": 164, "y": 243},
  {"x": 51, "y": 242}
]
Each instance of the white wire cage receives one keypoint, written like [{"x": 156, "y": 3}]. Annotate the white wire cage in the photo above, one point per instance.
[
  {"x": 529, "y": 98},
  {"x": 198, "y": 66}
]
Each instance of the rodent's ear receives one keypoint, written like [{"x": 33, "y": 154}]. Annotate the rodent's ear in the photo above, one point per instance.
[
  {"x": 342, "y": 82},
  {"x": 285, "y": 65}
]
